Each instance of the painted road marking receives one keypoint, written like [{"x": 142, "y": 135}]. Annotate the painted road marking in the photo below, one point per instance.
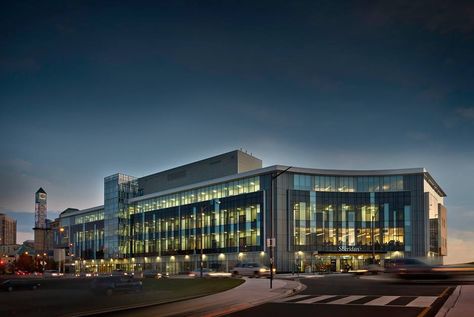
[
  {"x": 347, "y": 299},
  {"x": 289, "y": 298},
  {"x": 315, "y": 299},
  {"x": 402, "y": 301},
  {"x": 422, "y": 301},
  {"x": 384, "y": 300}
]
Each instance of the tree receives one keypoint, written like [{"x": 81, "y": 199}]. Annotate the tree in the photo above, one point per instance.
[{"x": 25, "y": 263}]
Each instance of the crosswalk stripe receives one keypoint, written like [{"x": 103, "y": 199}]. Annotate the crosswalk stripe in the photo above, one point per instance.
[
  {"x": 422, "y": 301},
  {"x": 315, "y": 299},
  {"x": 347, "y": 299},
  {"x": 419, "y": 301},
  {"x": 287, "y": 299},
  {"x": 384, "y": 300}
]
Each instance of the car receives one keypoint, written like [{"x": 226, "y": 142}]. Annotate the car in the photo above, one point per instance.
[
  {"x": 112, "y": 284},
  {"x": 87, "y": 274},
  {"x": 11, "y": 285},
  {"x": 197, "y": 273},
  {"x": 153, "y": 274},
  {"x": 251, "y": 269},
  {"x": 369, "y": 269},
  {"x": 208, "y": 273},
  {"x": 408, "y": 268},
  {"x": 119, "y": 272},
  {"x": 52, "y": 273}
]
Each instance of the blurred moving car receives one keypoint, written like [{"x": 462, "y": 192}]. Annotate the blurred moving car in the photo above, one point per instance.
[
  {"x": 11, "y": 285},
  {"x": 119, "y": 272},
  {"x": 197, "y": 273},
  {"x": 251, "y": 269},
  {"x": 52, "y": 273},
  {"x": 87, "y": 274},
  {"x": 154, "y": 274},
  {"x": 208, "y": 273},
  {"x": 112, "y": 284},
  {"x": 408, "y": 268},
  {"x": 371, "y": 269}
]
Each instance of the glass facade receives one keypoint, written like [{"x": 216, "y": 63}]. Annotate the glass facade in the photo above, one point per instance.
[
  {"x": 83, "y": 234},
  {"x": 231, "y": 224},
  {"x": 322, "y": 222},
  {"x": 217, "y": 191},
  {"x": 118, "y": 189},
  {"x": 348, "y": 183},
  {"x": 353, "y": 222}
]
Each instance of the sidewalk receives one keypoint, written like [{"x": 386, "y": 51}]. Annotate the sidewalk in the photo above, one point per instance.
[
  {"x": 251, "y": 293},
  {"x": 460, "y": 303}
]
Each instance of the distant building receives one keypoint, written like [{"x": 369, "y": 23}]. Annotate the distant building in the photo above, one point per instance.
[
  {"x": 41, "y": 208},
  {"x": 41, "y": 229},
  {"x": 232, "y": 210},
  {"x": 7, "y": 230}
]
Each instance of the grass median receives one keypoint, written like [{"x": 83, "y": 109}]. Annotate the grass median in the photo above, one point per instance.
[{"x": 64, "y": 297}]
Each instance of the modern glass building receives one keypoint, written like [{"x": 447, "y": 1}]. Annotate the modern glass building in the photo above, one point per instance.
[{"x": 227, "y": 208}]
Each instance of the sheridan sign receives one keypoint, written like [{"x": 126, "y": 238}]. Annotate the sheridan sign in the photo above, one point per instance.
[{"x": 348, "y": 249}]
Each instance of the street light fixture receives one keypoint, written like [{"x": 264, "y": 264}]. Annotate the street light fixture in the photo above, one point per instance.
[
  {"x": 372, "y": 227},
  {"x": 202, "y": 241},
  {"x": 272, "y": 233}
]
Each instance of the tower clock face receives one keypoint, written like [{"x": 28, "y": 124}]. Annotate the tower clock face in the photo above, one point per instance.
[{"x": 42, "y": 196}]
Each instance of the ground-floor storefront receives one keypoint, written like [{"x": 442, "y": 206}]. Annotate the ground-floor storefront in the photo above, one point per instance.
[
  {"x": 339, "y": 262},
  {"x": 297, "y": 262}
]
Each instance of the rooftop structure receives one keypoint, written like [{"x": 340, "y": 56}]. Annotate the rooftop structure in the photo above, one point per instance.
[{"x": 319, "y": 218}]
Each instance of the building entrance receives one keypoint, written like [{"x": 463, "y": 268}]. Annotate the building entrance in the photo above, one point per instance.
[{"x": 342, "y": 262}]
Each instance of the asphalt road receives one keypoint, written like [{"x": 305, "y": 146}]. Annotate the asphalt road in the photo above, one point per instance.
[{"x": 347, "y": 295}]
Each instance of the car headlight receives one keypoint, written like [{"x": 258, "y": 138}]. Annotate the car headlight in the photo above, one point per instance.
[{"x": 262, "y": 270}]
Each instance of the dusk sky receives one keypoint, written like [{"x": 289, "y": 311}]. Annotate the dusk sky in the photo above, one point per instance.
[{"x": 92, "y": 88}]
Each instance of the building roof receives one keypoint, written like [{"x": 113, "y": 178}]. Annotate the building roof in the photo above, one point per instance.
[
  {"x": 74, "y": 212},
  {"x": 68, "y": 210},
  {"x": 41, "y": 190},
  {"x": 277, "y": 168}
]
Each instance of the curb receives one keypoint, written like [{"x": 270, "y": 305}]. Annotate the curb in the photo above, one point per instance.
[
  {"x": 296, "y": 290},
  {"x": 234, "y": 308},
  {"x": 450, "y": 302},
  {"x": 130, "y": 307},
  {"x": 238, "y": 307}
]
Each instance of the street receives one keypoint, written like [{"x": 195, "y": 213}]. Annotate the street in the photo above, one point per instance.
[{"x": 347, "y": 295}]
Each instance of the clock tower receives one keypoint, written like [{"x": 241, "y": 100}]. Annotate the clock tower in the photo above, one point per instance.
[
  {"x": 40, "y": 229},
  {"x": 40, "y": 208}
]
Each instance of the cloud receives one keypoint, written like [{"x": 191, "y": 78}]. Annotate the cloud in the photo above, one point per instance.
[
  {"x": 26, "y": 64},
  {"x": 460, "y": 247},
  {"x": 437, "y": 16},
  {"x": 418, "y": 136},
  {"x": 23, "y": 236},
  {"x": 25, "y": 220},
  {"x": 466, "y": 113},
  {"x": 20, "y": 180}
]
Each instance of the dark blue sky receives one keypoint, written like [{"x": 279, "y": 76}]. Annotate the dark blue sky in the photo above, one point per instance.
[{"x": 88, "y": 89}]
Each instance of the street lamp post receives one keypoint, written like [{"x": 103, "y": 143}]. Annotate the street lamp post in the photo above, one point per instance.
[
  {"x": 272, "y": 233},
  {"x": 372, "y": 227},
  {"x": 202, "y": 241}
]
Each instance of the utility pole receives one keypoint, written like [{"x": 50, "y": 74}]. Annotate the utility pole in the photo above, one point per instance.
[
  {"x": 372, "y": 238},
  {"x": 202, "y": 240},
  {"x": 272, "y": 233},
  {"x": 372, "y": 227}
]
